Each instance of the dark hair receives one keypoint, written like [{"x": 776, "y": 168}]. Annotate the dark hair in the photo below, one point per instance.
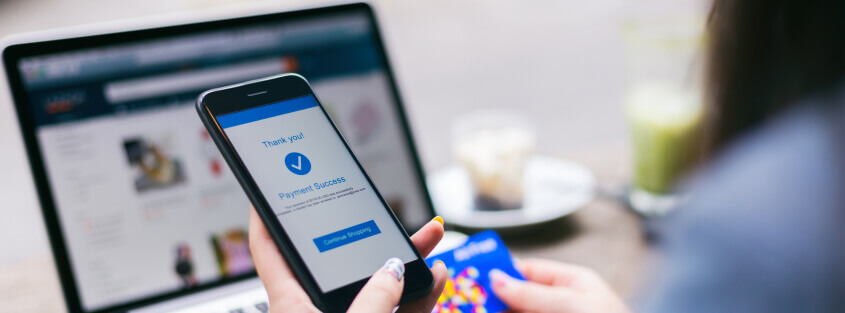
[{"x": 765, "y": 56}]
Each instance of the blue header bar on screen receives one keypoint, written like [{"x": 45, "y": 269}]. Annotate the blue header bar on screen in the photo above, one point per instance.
[{"x": 267, "y": 111}]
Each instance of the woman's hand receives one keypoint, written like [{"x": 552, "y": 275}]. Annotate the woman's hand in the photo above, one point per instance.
[
  {"x": 380, "y": 294},
  {"x": 556, "y": 287}
]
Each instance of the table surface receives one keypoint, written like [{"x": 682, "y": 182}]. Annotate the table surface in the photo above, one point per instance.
[{"x": 559, "y": 62}]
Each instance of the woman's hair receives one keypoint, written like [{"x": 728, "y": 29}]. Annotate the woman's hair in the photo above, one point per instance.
[{"x": 765, "y": 56}]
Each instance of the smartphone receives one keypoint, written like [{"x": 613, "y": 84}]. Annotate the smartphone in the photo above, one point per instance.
[{"x": 325, "y": 214}]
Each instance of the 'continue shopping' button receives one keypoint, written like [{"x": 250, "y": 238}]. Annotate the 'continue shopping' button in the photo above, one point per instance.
[{"x": 346, "y": 236}]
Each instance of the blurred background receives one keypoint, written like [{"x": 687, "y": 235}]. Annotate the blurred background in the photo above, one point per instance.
[{"x": 562, "y": 64}]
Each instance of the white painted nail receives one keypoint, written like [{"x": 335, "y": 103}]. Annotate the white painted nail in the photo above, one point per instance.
[{"x": 394, "y": 267}]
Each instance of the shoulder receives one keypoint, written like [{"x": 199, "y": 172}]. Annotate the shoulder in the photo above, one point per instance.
[
  {"x": 763, "y": 224},
  {"x": 779, "y": 170}
]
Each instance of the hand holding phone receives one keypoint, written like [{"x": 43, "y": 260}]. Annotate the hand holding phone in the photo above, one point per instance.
[
  {"x": 287, "y": 296},
  {"x": 322, "y": 211}
]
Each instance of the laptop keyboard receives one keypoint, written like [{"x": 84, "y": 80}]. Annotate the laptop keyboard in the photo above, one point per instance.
[
  {"x": 251, "y": 301},
  {"x": 260, "y": 307}
]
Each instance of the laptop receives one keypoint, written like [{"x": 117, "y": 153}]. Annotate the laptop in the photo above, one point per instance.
[{"x": 142, "y": 212}]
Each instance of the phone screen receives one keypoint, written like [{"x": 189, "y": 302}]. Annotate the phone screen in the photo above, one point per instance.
[{"x": 321, "y": 197}]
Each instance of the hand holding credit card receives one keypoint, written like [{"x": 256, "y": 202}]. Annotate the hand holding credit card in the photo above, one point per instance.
[{"x": 468, "y": 287}]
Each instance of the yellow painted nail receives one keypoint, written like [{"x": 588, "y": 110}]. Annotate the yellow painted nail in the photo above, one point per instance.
[{"x": 440, "y": 220}]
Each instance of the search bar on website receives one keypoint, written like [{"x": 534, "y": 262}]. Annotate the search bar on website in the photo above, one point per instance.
[{"x": 175, "y": 83}]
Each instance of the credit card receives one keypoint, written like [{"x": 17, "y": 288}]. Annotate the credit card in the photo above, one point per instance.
[{"x": 468, "y": 288}]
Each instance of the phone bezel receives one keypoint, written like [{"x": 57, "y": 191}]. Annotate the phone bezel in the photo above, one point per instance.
[{"x": 210, "y": 104}]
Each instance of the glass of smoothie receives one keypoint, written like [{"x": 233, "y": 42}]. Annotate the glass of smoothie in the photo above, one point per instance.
[{"x": 664, "y": 106}]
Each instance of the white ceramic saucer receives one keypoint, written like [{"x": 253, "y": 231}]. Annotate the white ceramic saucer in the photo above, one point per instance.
[{"x": 553, "y": 188}]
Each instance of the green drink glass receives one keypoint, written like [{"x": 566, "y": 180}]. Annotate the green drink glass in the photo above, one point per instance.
[{"x": 664, "y": 106}]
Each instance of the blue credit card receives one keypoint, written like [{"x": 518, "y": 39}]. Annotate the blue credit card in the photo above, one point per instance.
[{"x": 468, "y": 288}]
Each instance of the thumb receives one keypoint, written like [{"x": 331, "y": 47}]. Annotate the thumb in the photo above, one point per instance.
[
  {"x": 384, "y": 289},
  {"x": 525, "y": 295}
]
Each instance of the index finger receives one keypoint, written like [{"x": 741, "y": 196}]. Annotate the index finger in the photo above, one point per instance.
[
  {"x": 427, "y": 237},
  {"x": 552, "y": 273}
]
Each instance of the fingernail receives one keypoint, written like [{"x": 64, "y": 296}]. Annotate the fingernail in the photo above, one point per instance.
[
  {"x": 440, "y": 262},
  {"x": 499, "y": 278},
  {"x": 394, "y": 267},
  {"x": 440, "y": 220}
]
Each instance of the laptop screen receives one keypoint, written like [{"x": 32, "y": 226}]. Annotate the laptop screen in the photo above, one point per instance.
[{"x": 146, "y": 204}]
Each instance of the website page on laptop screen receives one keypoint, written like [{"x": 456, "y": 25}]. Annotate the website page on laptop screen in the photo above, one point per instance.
[
  {"x": 146, "y": 203},
  {"x": 322, "y": 199}
]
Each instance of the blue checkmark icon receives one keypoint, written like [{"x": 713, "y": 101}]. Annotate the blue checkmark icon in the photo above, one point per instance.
[{"x": 297, "y": 163}]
